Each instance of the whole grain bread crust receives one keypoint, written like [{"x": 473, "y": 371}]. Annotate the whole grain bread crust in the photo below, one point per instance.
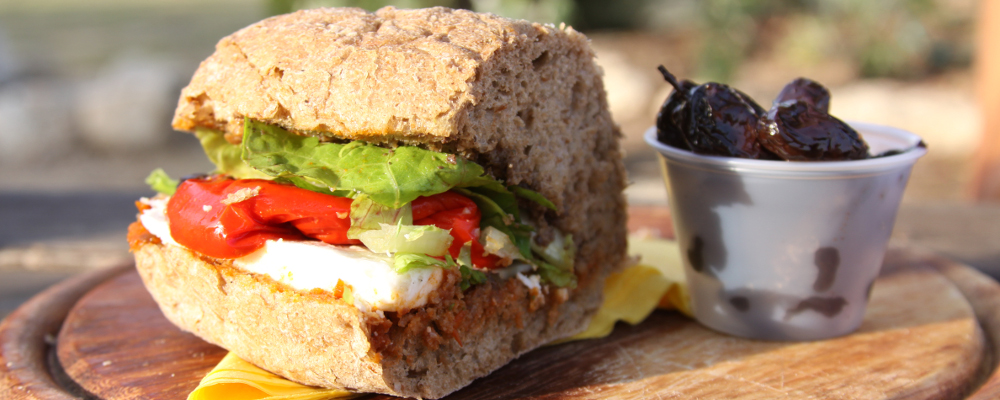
[{"x": 317, "y": 339}]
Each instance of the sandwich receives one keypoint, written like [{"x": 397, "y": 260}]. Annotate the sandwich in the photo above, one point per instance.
[{"x": 404, "y": 200}]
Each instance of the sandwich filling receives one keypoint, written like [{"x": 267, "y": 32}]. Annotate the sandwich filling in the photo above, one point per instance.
[
  {"x": 306, "y": 265},
  {"x": 378, "y": 224}
]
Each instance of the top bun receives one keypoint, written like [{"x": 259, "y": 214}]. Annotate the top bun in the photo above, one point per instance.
[
  {"x": 394, "y": 74},
  {"x": 524, "y": 100}
]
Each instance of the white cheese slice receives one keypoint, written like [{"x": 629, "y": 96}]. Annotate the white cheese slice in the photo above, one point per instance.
[{"x": 307, "y": 265}]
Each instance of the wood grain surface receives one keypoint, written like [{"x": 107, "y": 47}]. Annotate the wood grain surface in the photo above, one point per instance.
[
  {"x": 117, "y": 345},
  {"x": 27, "y": 334},
  {"x": 925, "y": 336}
]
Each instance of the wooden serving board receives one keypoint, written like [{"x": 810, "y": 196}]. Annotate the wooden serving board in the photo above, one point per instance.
[{"x": 926, "y": 335}]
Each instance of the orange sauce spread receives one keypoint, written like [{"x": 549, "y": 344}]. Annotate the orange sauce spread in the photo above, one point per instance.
[
  {"x": 139, "y": 236},
  {"x": 338, "y": 291}
]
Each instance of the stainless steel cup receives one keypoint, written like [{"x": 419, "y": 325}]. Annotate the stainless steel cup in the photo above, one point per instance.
[{"x": 783, "y": 250}]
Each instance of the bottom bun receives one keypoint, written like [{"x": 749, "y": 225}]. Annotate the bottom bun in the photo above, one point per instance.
[{"x": 317, "y": 339}]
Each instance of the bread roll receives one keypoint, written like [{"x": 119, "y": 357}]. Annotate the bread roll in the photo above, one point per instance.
[{"x": 523, "y": 100}]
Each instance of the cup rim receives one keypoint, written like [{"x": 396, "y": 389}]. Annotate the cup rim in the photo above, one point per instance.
[{"x": 913, "y": 151}]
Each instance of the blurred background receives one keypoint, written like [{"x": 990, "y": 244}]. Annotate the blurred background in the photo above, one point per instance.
[{"x": 87, "y": 90}]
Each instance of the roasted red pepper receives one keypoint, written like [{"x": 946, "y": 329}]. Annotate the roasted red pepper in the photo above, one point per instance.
[
  {"x": 450, "y": 210},
  {"x": 257, "y": 211},
  {"x": 228, "y": 218}
]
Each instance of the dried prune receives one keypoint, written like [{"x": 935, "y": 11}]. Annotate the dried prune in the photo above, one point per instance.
[
  {"x": 721, "y": 122},
  {"x": 670, "y": 119},
  {"x": 716, "y": 119},
  {"x": 807, "y": 90},
  {"x": 796, "y": 131}
]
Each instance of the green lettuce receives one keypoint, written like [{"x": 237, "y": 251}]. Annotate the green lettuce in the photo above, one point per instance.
[
  {"x": 534, "y": 196},
  {"x": 399, "y": 238},
  {"x": 496, "y": 242},
  {"x": 161, "y": 182},
  {"x": 348, "y": 295},
  {"x": 367, "y": 215},
  {"x": 403, "y": 262},
  {"x": 555, "y": 261},
  {"x": 559, "y": 252},
  {"x": 499, "y": 210},
  {"x": 556, "y": 276},
  {"x": 391, "y": 177},
  {"x": 226, "y": 156},
  {"x": 470, "y": 277}
]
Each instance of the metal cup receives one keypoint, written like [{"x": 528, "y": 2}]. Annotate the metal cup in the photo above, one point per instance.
[{"x": 783, "y": 250}]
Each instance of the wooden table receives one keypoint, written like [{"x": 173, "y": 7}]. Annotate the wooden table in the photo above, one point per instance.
[{"x": 926, "y": 335}]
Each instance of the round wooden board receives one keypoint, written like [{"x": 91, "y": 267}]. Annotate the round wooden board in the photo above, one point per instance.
[
  {"x": 117, "y": 345},
  {"x": 920, "y": 339},
  {"x": 925, "y": 336}
]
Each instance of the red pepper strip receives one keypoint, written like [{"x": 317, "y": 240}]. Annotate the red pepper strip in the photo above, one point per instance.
[
  {"x": 202, "y": 222},
  {"x": 454, "y": 211},
  {"x": 319, "y": 216}
]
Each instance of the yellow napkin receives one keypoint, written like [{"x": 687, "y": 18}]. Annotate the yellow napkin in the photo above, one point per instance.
[
  {"x": 632, "y": 294},
  {"x": 665, "y": 256},
  {"x": 629, "y": 295},
  {"x": 236, "y": 379}
]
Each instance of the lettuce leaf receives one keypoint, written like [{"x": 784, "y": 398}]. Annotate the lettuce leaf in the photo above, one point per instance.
[
  {"x": 226, "y": 156},
  {"x": 498, "y": 243},
  {"x": 556, "y": 276},
  {"x": 348, "y": 295},
  {"x": 367, "y": 215},
  {"x": 534, "y": 196},
  {"x": 471, "y": 277},
  {"x": 423, "y": 239},
  {"x": 403, "y": 262},
  {"x": 555, "y": 261},
  {"x": 560, "y": 252},
  {"x": 161, "y": 182},
  {"x": 391, "y": 177},
  {"x": 499, "y": 210}
]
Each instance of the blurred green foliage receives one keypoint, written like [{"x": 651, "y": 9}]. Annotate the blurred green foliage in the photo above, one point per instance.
[
  {"x": 882, "y": 38},
  {"x": 545, "y": 11}
]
